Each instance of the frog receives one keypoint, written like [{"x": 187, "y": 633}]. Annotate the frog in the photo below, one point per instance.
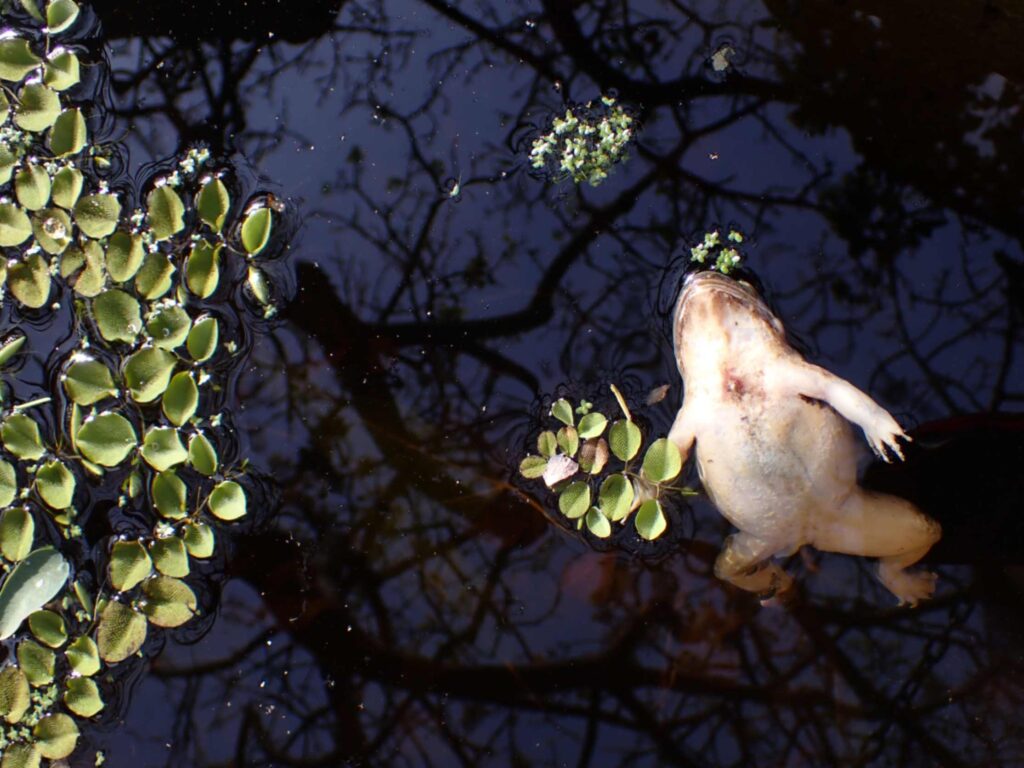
[{"x": 775, "y": 448}]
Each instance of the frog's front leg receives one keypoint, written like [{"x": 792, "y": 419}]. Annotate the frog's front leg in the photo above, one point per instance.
[
  {"x": 684, "y": 429},
  {"x": 880, "y": 428},
  {"x": 745, "y": 562}
]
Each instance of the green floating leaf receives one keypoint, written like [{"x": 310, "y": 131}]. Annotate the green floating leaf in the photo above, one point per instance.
[
  {"x": 166, "y": 212},
  {"x": 162, "y": 448},
  {"x": 16, "y": 59},
  {"x": 568, "y": 440},
  {"x": 227, "y": 501},
  {"x": 60, "y": 14},
  {"x": 83, "y": 597},
  {"x": 181, "y": 398},
  {"x": 124, "y": 255},
  {"x": 8, "y": 157},
  {"x": 52, "y": 228},
  {"x": 38, "y": 663},
  {"x": 62, "y": 70},
  {"x": 38, "y": 108},
  {"x": 22, "y": 754},
  {"x": 169, "y": 602},
  {"x": 169, "y": 327},
  {"x": 67, "y": 187},
  {"x": 5, "y": 110},
  {"x": 14, "y": 694},
  {"x": 155, "y": 276},
  {"x": 17, "y": 531},
  {"x": 32, "y": 7},
  {"x": 129, "y": 565},
  {"x": 56, "y": 485},
  {"x": 169, "y": 495},
  {"x": 258, "y": 285},
  {"x": 83, "y": 656},
  {"x": 69, "y": 133},
  {"x": 624, "y": 439},
  {"x": 106, "y": 439},
  {"x": 97, "y": 215},
  {"x": 203, "y": 338},
  {"x": 170, "y": 557},
  {"x": 55, "y": 735},
  {"x": 202, "y": 269},
  {"x": 21, "y": 437},
  {"x": 117, "y": 315},
  {"x": 256, "y": 231},
  {"x": 148, "y": 372},
  {"x": 650, "y": 520},
  {"x": 93, "y": 279},
  {"x": 574, "y": 501},
  {"x": 82, "y": 696},
  {"x": 32, "y": 187},
  {"x": 88, "y": 381},
  {"x": 10, "y": 349},
  {"x": 48, "y": 628},
  {"x": 213, "y": 203},
  {"x": 199, "y": 540},
  {"x": 616, "y": 497},
  {"x": 15, "y": 226},
  {"x": 202, "y": 455},
  {"x": 598, "y": 524},
  {"x": 533, "y": 467},
  {"x": 662, "y": 462},
  {"x": 31, "y": 584},
  {"x": 8, "y": 483},
  {"x": 561, "y": 409},
  {"x": 547, "y": 444},
  {"x": 592, "y": 425},
  {"x": 121, "y": 632}
]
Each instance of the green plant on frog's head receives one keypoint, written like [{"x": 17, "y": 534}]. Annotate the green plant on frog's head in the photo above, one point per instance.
[{"x": 726, "y": 255}]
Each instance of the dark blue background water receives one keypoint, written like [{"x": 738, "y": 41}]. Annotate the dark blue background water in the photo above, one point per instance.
[{"x": 408, "y": 607}]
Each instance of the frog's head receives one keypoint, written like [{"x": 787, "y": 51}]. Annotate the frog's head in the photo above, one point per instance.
[{"x": 718, "y": 317}]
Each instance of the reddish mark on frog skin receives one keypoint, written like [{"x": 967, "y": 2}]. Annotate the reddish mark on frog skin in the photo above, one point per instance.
[{"x": 734, "y": 385}]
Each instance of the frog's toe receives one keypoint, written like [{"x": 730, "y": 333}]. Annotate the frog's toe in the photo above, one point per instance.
[{"x": 909, "y": 588}]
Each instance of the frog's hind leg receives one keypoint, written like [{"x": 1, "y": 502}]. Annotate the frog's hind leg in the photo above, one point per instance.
[
  {"x": 886, "y": 527},
  {"x": 745, "y": 562}
]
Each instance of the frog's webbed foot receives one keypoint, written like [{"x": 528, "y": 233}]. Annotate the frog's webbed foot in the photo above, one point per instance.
[
  {"x": 884, "y": 433},
  {"x": 744, "y": 562},
  {"x": 909, "y": 587}
]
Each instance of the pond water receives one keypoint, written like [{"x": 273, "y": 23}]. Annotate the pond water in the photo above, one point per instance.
[{"x": 404, "y": 597}]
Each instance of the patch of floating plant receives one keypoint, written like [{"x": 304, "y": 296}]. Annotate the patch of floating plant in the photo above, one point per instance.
[
  {"x": 148, "y": 285},
  {"x": 601, "y": 472},
  {"x": 717, "y": 253}
]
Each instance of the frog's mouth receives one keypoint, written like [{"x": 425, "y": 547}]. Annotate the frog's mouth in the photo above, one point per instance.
[{"x": 715, "y": 282}]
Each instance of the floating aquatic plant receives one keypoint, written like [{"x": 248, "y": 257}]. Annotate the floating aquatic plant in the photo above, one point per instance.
[{"x": 726, "y": 254}]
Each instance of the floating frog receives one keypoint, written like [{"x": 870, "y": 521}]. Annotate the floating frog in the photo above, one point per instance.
[{"x": 775, "y": 449}]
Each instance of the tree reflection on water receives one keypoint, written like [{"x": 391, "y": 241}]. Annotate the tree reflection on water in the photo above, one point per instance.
[{"x": 408, "y": 606}]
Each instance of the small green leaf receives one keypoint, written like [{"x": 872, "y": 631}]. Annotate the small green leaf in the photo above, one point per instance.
[
  {"x": 202, "y": 455},
  {"x": 650, "y": 520},
  {"x": 16, "y": 59},
  {"x": 38, "y": 108},
  {"x": 616, "y": 497},
  {"x": 56, "y": 485},
  {"x": 48, "y": 628},
  {"x": 82, "y": 696},
  {"x": 547, "y": 444},
  {"x": 83, "y": 656},
  {"x": 5, "y": 110},
  {"x": 83, "y": 597},
  {"x": 169, "y": 495},
  {"x": 170, "y": 557},
  {"x": 88, "y": 381},
  {"x": 662, "y": 462},
  {"x": 169, "y": 602},
  {"x": 17, "y": 530},
  {"x": 256, "y": 231},
  {"x": 169, "y": 327},
  {"x": 117, "y": 316},
  {"x": 15, "y": 226},
  {"x": 227, "y": 501},
  {"x": 598, "y": 524},
  {"x": 213, "y": 203},
  {"x": 166, "y": 212},
  {"x": 203, "y": 338},
  {"x": 20, "y": 435},
  {"x": 533, "y": 467},
  {"x": 258, "y": 285},
  {"x": 162, "y": 448},
  {"x": 30, "y": 585},
  {"x": 154, "y": 277},
  {"x": 93, "y": 278},
  {"x": 124, "y": 255},
  {"x": 624, "y": 439},
  {"x": 67, "y": 187},
  {"x": 62, "y": 70},
  {"x": 574, "y": 501},
  {"x": 32, "y": 187},
  {"x": 23, "y": 754},
  {"x": 69, "y": 133},
  {"x": 55, "y": 735},
  {"x": 38, "y": 663},
  {"x": 97, "y": 215},
  {"x": 8, "y": 483},
  {"x": 148, "y": 372},
  {"x": 592, "y": 425},
  {"x": 121, "y": 632},
  {"x": 181, "y": 398},
  {"x": 106, "y": 439},
  {"x": 202, "y": 270},
  {"x": 10, "y": 349},
  {"x": 562, "y": 410},
  {"x": 14, "y": 694},
  {"x": 129, "y": 565},
  {"x": 8, "y": 157},
  {"x": 60, "y": 14},
  {"x": 568, "y": 440},
  {"x": 199, "y": 540},
  {"x": 52, "y": 228}
]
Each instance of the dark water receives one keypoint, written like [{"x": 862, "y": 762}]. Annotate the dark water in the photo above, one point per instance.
[{"x": 407, "y": 606}]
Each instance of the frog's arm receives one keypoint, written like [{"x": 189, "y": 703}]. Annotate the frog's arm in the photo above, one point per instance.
[
  {"x": 880, "y": 428},
  {"x": 683, "y": 430}
]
